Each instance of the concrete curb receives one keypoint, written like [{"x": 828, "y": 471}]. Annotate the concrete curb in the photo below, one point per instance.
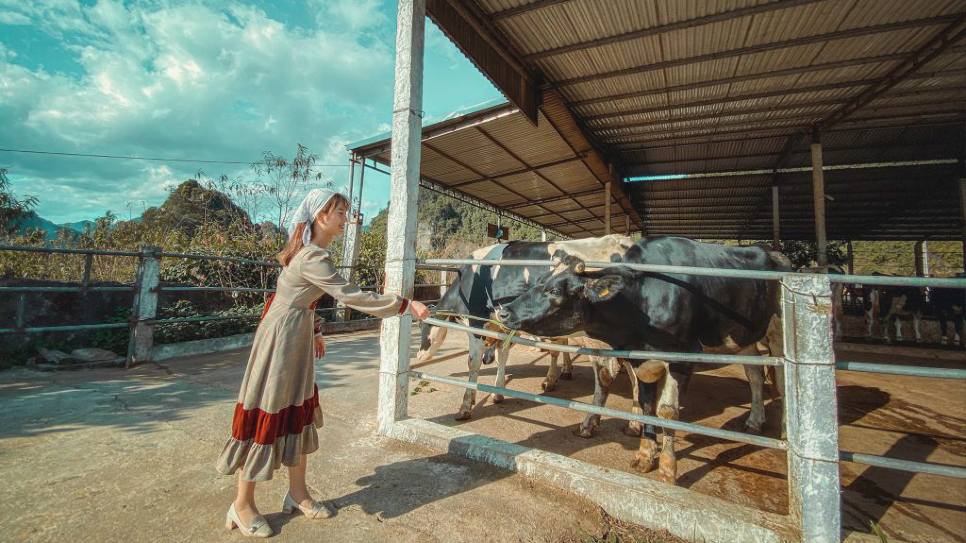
[{"x": 682, "y": 512}]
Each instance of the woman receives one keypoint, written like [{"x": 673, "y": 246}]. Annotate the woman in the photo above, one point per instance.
[{"x": 278, "y": 406}]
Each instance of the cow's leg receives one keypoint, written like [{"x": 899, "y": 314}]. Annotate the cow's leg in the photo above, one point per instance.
[
  {"x": 898, "y": 325},
  {"x": 568, "y": 365},
  {"x": 550, "y": 381},
  {"x": 647, "y": 451},
  {"x": 474, "y": 360},
  {"x": 756, "y": 382},
  {"x": 502, "y": 355},
  {"x": 668, "y": 408},
  {"x": 633, "y": 428},
  {"x": 943, "y": 325},
  {"x": 916, "y": 325},
  {"x": 603, "y": 378},
  {"x": 958, "y": 322},
  {"x": 435, "y": 338},
  {"x": 869, "y": 320}
]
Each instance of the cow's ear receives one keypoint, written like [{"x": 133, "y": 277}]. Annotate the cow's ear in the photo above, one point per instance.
[{"x": 603, "y": 288}]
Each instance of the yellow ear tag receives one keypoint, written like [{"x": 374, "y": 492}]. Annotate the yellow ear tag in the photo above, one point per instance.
[{"x": 604, "y": 292}]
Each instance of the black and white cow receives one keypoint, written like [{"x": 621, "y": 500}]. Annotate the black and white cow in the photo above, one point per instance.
[
  {"x": 480, "y": 290},
  {"x": 885, "y": 304},
  {"x": 949, "y": 304},
  {"x": 660, "y": 312}
]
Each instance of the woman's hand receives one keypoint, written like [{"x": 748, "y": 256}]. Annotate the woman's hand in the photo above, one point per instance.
[
  {"x": 418, "y": 310},
  {"x": 319, "y": 344}
]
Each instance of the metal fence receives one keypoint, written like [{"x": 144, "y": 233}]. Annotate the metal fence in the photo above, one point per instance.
[
  {"x": 146, "y": 291},
  {"x": 809, "y": 376}
]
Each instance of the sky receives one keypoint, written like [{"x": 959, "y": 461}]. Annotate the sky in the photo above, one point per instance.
[{"x": 200, "y": 80}]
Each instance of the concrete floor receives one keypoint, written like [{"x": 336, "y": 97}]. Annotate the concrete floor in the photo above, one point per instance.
[
  {"x": 103, "y": 455},
  {"x": 115, "y": 455},
  {"x": 910, "y": 418}
]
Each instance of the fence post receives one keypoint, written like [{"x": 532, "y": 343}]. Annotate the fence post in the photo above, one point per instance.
[
  {"x": 145, "y": 306},
  {"x": 350, "y": 258},
  {"x": 811, "y": 408},
  {"x": 86, "y": 308}
]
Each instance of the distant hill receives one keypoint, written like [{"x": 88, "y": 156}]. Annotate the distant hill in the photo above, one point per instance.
[
  {"x": 190, "y": 205},
  {"x": 50, "y": 229}
]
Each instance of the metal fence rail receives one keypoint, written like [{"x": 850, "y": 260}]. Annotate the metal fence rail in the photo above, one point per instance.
[
  {"x": 69, "y": 328},
  {"x": 912, "y": 371},
  {"x": 716, "y": 272},
  {"x": 146, "y": 290},
  {"x": 636, "y": 355},
  {"x": 903, "y": 465},
  {"x": 761, "y": 441},
  {"x": 64, "y": 250},
  {"x": 125, "y": 288},
  {"x": 164, "y": 288}
]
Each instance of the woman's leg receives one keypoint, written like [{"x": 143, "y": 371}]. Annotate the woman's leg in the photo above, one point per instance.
[
  {"x": 296, "y": 485},
  {"x": 245, "y": 501}
]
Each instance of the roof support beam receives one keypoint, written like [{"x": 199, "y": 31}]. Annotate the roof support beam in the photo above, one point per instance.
[
  {"x": 731, "y": 99},
  {"x": 670, "y": 27},
  {"x": 742, "y": 51},
  {"x": 563, "y": 121},
  {"x": 794, "y": 152},
  {"x": 521, "y": 161},
  {"x": 759, "y": 135},
  {"x": 519, "y": 171},
  {"x": 803, "y": 122},
  {"x": 634, "y": 125},
  {"x": 525, "y": 8},
  {"x": 933, "y": 48},
  {"x": 660, "y": 91},
  {"x": 528, "y": 203},
  {"x": 476, "y": 172},
  {"x": 485, "y": 46}
]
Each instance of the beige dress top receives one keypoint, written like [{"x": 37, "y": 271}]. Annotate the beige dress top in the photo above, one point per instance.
[{"x": 278, "y": 410}]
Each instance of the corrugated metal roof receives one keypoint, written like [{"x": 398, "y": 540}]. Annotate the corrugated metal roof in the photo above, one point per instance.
[{"x": 691, "y": 86}]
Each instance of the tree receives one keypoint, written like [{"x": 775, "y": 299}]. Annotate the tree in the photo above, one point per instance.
[
  {"x": 284, "y": 180},
  {"x": 804, "y": 254},
  {"x": 12, "y": 210}
]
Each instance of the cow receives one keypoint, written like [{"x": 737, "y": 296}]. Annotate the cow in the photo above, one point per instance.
[
  {"x": 949, "y": 304},
  {"x": 479, "y": 291},
  {"x": 885, "y": 304},
  {"x": 634, "y": 310}
]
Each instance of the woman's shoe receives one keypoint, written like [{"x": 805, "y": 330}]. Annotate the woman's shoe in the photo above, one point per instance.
[
  {"x": 318, "y": 510},
  {"x": 259, "y": 527}
]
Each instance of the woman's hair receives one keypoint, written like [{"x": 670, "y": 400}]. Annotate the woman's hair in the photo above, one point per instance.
[{"x": 295, "y": 244}]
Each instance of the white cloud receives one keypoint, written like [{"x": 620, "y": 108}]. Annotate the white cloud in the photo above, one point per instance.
[
  {"x": 204, "y": 80},
  {"x": 187, "y": 81},
  {"x": 13, "y": 18}
]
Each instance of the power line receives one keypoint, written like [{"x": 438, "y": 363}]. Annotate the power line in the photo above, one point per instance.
[{"x": 156, "y": 159}]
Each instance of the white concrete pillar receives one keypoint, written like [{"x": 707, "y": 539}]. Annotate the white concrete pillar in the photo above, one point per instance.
[
  {"x": 543, "y": 235},
  {"x": 818, "y": 199},
  {"x": 811, "y": 408},
  {"x": 404, "y": 192},
  {"x": 145, "y": 306}
]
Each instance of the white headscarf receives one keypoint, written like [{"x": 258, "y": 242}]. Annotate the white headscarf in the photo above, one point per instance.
[{"x": 313, "y": 202}]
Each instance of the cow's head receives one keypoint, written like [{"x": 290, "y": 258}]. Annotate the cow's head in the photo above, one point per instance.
[{"x": 561, "y": 302}]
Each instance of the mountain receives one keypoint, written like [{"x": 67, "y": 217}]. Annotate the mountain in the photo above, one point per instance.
[
  {"x": 50, "y": 229},
  {"x": 190, "y": 205}
]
